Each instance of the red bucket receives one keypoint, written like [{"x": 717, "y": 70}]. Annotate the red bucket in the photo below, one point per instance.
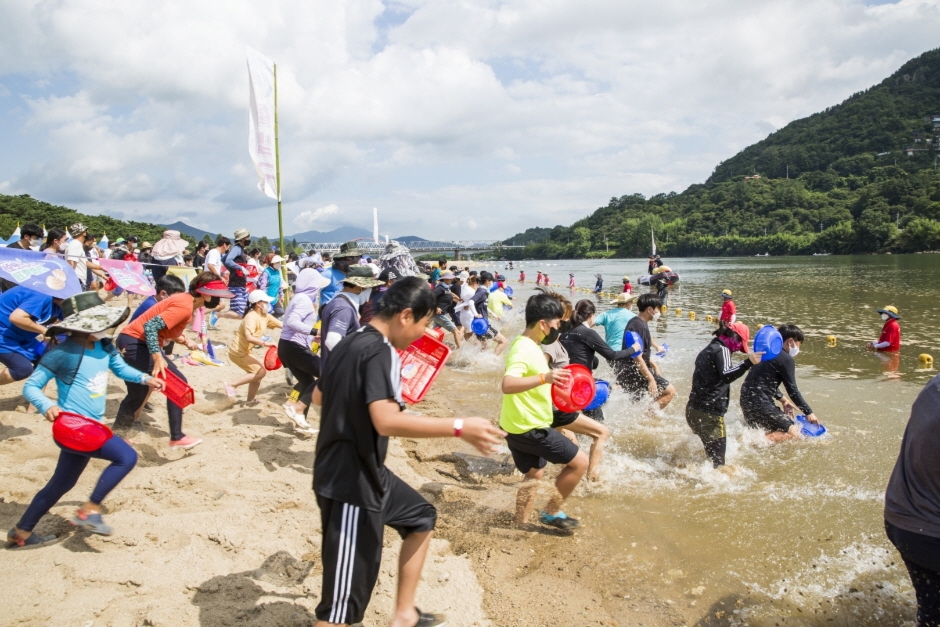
[
  {"x": 579, "y": 392},
  {"x": 420, "y": 364},
  {"x": 79, "y": 433},
  {"x": 271, "y": 360},
  {"x": 177, "y": 390}
]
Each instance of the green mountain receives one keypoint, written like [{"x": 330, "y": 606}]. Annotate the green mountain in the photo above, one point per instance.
[
  {"x": 22, "y": 209},
  {"x": 859, "y": 177}
]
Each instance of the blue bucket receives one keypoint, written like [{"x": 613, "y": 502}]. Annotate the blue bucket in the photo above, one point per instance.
[
  {"x": 507, "y": 290},
  {"x": 808, "y": 428},
  {"x": 633, "y": 341},
  {"x": 768, "y": 341},
  {"x": 479, "y": 326},
  {"x": 601, "y": 394},
  {"x": 493, "y": 288}
]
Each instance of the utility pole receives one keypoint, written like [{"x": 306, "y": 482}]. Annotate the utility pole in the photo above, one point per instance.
[{"x": 788, "y": 173}]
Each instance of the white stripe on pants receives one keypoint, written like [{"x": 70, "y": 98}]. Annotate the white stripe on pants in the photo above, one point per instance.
[{"x": 344, "y": 564}]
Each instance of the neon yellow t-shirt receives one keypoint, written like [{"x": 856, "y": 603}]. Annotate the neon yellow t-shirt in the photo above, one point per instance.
[
  {"x": 495, "y": 303},
  {"x": 527, "y": 410}
]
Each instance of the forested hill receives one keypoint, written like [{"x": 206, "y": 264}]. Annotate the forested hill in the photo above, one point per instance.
[
  {"x": 22, "y": 209},
  {"x": 862, "y": 178}
]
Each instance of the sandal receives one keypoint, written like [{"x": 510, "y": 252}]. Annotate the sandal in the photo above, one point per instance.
[
  {"x": 430, "y": 620},
  {"x": 32, "y": 542}
]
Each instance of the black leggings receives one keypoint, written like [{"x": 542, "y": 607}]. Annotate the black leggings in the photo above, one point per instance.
[
  {"x": 921, "y": 555},
  {"x": 136, "y": 355},
  {"x": 304, "y": 365}
]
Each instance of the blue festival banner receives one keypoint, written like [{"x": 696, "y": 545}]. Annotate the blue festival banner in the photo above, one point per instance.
[{"x": 46, "y": 274}]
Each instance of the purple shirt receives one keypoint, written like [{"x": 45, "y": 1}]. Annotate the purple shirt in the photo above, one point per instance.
[{"x": 337, "y": 316}]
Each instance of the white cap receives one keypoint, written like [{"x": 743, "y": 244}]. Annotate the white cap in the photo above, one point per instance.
[
  {"x": 464, "y": 276},
  {"x": 276, "y": 259},
  {"x": 257, "y": 296}
]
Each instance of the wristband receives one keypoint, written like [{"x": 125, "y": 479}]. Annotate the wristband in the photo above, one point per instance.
[
  {"x": 458, "y": 427},
  {"x": 542, "y": 378}
]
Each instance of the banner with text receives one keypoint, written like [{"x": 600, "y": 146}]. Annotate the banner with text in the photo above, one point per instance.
[
  {"x": 49, "y": 275},
  {"x": 128, "y": 275}
]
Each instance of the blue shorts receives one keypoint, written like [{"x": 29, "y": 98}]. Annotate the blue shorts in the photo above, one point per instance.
[
  {"x": 19, "y": 365},
  {"x": 240, "y": 301}
]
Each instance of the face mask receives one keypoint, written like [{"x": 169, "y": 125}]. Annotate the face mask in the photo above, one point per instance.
[
  {"x": 552, "y": 336},
  {"x": 794, "y": 350},
  {"x": 885, "y": 317},
  {"x": 212, "y": 303},
  {"x": 733, "y": 344},
  {"x": 364, "y": 296},
  {"x": 34, "y": 244},
  {"x": 63, "y": 246},
  {"x": 657, "y": 315}
]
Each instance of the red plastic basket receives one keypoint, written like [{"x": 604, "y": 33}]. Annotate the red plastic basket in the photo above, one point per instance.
[
  {"x": 420, "y": 364},
  {"x": 79, "y": 433},
  {"x": 438, "y": 333},
  {"x": 578, "y": 393},
  {"x": 177, "y": 390},
  {"x": 271, "y": 360}
]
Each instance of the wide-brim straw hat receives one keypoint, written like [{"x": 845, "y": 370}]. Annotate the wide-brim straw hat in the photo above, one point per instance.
[
  {"x": 87, "y": 313},
  {"x": 241, "y": 234},
  {"x": 623, "y": 299}
]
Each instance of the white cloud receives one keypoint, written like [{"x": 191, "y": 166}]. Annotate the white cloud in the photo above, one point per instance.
[
  {"x": 522, "y": 112},
  {"x": 307, "y": 219}
]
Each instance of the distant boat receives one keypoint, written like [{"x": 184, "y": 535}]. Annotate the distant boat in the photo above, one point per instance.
[
  {"x": 821, "y": 254},
  {"x": 764, "y": 255}
]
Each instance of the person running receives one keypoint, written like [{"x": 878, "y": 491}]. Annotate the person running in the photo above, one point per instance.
[
  {"x": 234, "y": 262},
  {"x": 80, "y": 369},
  {"x": 912, "y": 503},
  {"x": 641, "y": 374},
  {"x": 599, "y": 284},
  {"x": 571, "y": 283},
  {"x": 446, "y": 300},
  {"x": 271, "y": 281},
  {"x": 711, "y": 387},
  {"x": 360, "y": 396},
  {"x": 890, "y": 340},
  {"x": 627, "y": 286},
  {"x": 368, "y": 308},
  {"x": 615, "y": 321},
  {"x": 76, "y": 257},
  {"x": 729, "y": 313},
  {"x": 24, "y": 315},
  {"x": 497, "y": 302},
  {"x": 142, "y": 343},
  {"x": 340, "y": 316},
  {"x": 538, "y": 278},
  {"x": 250, "y": 333},
  {"x": 294, "y": 350},
  {"x": 481, "y": 303},
  {"x": 347, "y": 256},
  {"x": 526, "y": 416},
  {"x": 762, "y": 387}
]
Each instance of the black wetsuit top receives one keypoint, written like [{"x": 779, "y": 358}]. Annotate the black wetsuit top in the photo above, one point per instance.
[
  {"x": 711, "y": 381},
  {"x": 762, "y": 385},
  {"x": 582, "y": 343}
]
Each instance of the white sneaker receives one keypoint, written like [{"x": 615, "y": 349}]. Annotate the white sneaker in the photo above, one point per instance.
[{"x": 298, "y": 419}]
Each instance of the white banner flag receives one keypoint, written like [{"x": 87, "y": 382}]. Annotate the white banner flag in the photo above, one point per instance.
[
  {"x": 261, "y": 122},
  {"x": 375, "y": 224}
]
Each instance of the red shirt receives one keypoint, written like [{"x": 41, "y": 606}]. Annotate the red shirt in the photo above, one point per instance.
[
  {"x": 627, "y": 288},
  {"x": 891, "y": 333},
  {"x": 728, "y": 310}
]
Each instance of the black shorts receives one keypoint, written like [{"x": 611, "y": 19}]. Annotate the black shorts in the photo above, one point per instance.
[
  {"x": 770, "y": 418},
  {"x": 533, "y": 449},
  {"x": 562, "y": 418},
  {"x": 490, "y": 334},
  {"x": 598, "y": 414},
  {"x": 632, "y": 380},
  {"x": 352, "y": 547}
]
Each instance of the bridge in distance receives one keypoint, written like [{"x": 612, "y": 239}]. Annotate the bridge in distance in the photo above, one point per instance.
[{"x": 417, "y": 247}]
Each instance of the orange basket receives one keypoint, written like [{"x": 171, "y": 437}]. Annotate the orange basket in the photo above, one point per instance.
[
  {"x": 177, "y": 390},
  {"x": 420, "y": 364},
  {"x": 271, "y": 360}
]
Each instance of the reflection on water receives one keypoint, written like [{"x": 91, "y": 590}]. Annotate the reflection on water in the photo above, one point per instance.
[{"x": 795, "y": 536}]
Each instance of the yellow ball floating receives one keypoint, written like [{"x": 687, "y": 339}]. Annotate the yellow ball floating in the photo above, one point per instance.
[
  {"x": 691, "y": 315},
  {"x": 831, "y": 341},
  {"x": 709, "y": 319},
  {"x": 664, "y": 309},
  {"x": 678, "y": 311},
  {"x": 925, "y": 358}
]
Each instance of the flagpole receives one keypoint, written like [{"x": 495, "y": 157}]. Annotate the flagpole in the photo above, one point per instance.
[{"x": 277, "y": 173}]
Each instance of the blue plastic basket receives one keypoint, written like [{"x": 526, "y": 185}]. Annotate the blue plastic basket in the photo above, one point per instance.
[
  {"x": 601, "y": 394},
  {"x": 507, "y": 290},
  {"x": 809, "y": 429},
  {"x": 768, "y": 341},
  {"x": 632, "y": 340},
  {"x": 480, "y": 326}
]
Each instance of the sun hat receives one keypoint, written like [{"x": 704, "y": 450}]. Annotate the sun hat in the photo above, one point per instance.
[
  {"x": 349, "y": 249},
  {"x": 627, "y": 279},
  {"x": 464, "y": 276},
  {"x": 276, "y": 259},
  {"x": 623, "y": 299},
  {"x": 361, "y": 276},
  {"x": 388, "y": 275},
  {"x": 257, "y": 296},
  {"x": 77, "y": 229},
  {"x": 87, "y": 313},
  {"x": 309, "y": 282},
  {"x": 119, "y": 240},
  {"x": 726, "y": 293},
  {"x": 215, "y": 288},
  {"x": 741, "y": 329},
  {"x": 891, "y": 310},
  {"x": 146, "y": 245},
  {"x": 170, "y": 246},
  {"x": 241, "y": 234},
  {"x": 448, "y": 276}
]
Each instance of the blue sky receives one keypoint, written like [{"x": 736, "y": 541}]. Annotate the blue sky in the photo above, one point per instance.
[{"x": 457, "y": 120}]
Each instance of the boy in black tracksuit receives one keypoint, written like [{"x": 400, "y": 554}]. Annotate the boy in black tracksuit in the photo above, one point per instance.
[{"x": 711, "y": 387}]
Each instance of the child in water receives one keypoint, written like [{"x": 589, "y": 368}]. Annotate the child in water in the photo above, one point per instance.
[
  {"x": 728, "y": 310},
  {"x": 538, "y": 278},
  {"x": 599, "y": 285},
  {"x": 627, "y": 287},
  {"x": 522, "y": 276},
  {"x": 890, "y": 340},
  {"x": 571, "y": 283}
]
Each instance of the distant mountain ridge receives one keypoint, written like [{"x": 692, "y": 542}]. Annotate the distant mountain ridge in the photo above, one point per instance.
[{"x": 341, "y": 234}]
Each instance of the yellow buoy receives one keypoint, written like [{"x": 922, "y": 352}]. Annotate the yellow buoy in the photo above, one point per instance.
[
  {"x": 925, "y": 358},
  {"x": 678, "y": 311},
  {"x": 664, "y": 309},
  {"x": 831, "y": 341},
  {"x": 691, "y": 315},
  {"x": 708, "y": 318}
]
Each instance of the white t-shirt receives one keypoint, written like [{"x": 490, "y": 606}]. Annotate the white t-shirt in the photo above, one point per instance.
[
  {"x": 75, "y": 251},
  {"x": 214, "y": 258}
]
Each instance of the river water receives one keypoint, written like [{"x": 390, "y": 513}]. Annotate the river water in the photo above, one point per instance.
[{"x": 795, "y": 537}]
